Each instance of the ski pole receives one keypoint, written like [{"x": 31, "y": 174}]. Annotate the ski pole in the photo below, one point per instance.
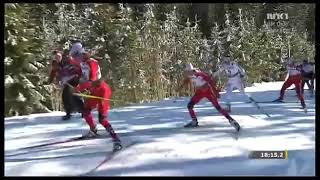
[
  {"x": 89, "y": 96},
  {"x": 257, "y": 105},
  {"x": 94, "y": 97}
]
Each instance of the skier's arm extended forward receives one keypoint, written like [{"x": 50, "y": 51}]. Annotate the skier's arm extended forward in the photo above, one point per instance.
[{"x": 217, "y": 73}]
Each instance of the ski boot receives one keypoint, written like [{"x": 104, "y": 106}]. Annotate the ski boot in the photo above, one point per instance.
[
  {"x": 193, "y": 123},
  {"x": 235, "y": 124},
  {"x": 304, "y": 107},
  {"x": 92, "y": 133},
  {"x": 278, "y": 100},
  {"x": 66, "y": 117},
  {"x": 116, "y": 145}
]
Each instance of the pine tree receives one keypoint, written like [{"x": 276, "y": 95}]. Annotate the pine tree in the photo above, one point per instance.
[
  {"x": 150, "y": 39},
  {"x": 23, "y": 63},
  {"x": 173, "y": 65}
]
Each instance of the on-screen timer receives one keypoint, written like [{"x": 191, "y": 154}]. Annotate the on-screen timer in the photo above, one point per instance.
[{"x": 268, "y": 154}]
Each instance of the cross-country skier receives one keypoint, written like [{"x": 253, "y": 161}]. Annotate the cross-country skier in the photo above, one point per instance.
[
  {"x": 235, "y": 75},
  {"x": 204, "y": 89},
  {"x": 67, "y": 71},
  {"x": 294, "y": 77},
  {"x": 308, "y": 76},
  {"x": 101, "y": 89}
]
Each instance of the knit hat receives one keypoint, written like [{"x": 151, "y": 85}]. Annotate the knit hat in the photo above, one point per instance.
[{"x": 76, "y": 48}]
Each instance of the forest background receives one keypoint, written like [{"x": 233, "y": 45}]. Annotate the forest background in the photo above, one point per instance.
[{"x": 143, "y": 48}]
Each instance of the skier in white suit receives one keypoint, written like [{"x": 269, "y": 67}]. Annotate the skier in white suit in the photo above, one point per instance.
[{"x": 236, "y": 75}]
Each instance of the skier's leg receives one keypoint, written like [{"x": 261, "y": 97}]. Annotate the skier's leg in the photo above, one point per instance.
[
  {"x": 78, "y": 103},
  {"x": 193, "y": 101},
  {"x": 312, "y": 85},
  {"x": 309, "y": 77},
  {"x": 240, "y": 86},
  {"x": 286, "y": 84},
  {"x": 66, "y": 102},
  {"x": 230, "y": 87},
  {"x": 302, "y": 85},
  {"x": 312, "y": 81},
  {"x": 297, "y": 83},
  {"x": 215, "y": 103},
  {"x": 89, "y": 118},
  {"x": 103, "y": 110}
]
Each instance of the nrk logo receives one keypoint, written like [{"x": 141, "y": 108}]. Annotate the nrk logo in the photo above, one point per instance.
[{"x": 277, "y": 16}]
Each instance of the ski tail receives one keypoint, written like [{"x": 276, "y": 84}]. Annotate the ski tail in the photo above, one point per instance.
[
  {"x": 78, "y": 138},
  {"x": 54, "y": 143}
]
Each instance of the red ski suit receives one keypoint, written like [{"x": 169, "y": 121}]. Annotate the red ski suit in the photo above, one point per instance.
[
  {"x": 294, "y": 78},
  {"x": 205, "y": 87},
  {"x": 90, "y": 73},
  {"x": 90, "y": 70},
  {"x": 100, "y": 89},
  {"x": 94, "y": 69}
]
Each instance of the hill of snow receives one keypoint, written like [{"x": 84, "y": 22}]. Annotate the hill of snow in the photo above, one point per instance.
[{"x": 164, "y": 147}]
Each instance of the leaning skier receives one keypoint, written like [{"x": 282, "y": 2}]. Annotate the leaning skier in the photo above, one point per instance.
[
  {"x": 68, "y": 72},
  {"x": 203, "y": 86},
  {"x": 294, "y": 77},
  {"x": 98, "y": 88},
  {"x": 235, "y": 75}
]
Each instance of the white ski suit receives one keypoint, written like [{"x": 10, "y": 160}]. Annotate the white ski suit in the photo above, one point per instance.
[{"x": 235, "y": 75}]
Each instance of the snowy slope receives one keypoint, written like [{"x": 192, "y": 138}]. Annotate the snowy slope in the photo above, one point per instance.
[{"x": 164, "y": 148}]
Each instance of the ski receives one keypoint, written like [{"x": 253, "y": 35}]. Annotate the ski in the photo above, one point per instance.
[
  {"x": 257, "y": 105},
  {"x": 40, "y": 150},
  {"x": 234, "y": 133},
  {"x": 271, "y": 102},
  {"x": 110, "y": 155},
  {"x": 62, "y": 141}
]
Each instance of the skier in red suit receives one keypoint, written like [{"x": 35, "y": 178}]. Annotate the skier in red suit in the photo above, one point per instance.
[
  {"x": 204, "y": 89},
  {"x": 294, "y": 77}
]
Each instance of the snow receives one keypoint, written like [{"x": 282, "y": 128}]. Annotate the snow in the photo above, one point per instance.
[{"x": 163, "y": 147}]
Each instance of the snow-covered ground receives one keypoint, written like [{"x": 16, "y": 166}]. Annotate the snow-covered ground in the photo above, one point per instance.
[{"x": 163, "y": 147}]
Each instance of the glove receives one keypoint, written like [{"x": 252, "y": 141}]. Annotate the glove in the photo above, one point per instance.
[{"x": 86, "y": 91}]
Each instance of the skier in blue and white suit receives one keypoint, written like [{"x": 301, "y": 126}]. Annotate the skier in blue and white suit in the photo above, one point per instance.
[{"x": 236, "y": 75}]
